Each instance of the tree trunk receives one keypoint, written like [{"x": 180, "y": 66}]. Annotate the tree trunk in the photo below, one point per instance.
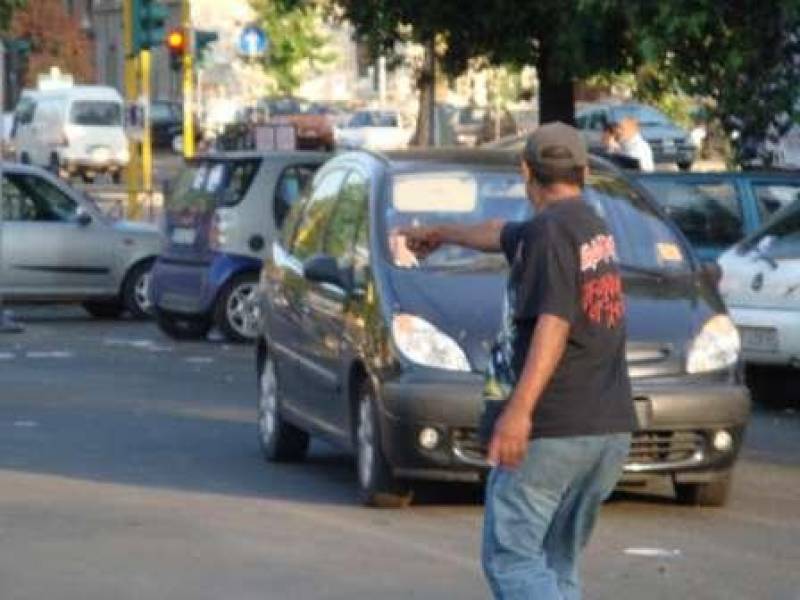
[
  {"x": 425, "y": 135},
  {"x": 556, "y": 92}
]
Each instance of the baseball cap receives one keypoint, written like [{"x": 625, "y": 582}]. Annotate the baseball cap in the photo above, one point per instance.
[{"x": 555, "y": 146}]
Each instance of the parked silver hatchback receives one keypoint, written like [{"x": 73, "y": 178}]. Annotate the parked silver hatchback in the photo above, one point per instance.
[{"x": 58, "y": 246}]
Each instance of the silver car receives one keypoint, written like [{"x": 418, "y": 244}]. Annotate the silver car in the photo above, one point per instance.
[{"x": 58, "y": 246}]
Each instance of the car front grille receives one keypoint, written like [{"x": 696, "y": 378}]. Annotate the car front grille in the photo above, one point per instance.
[{"x": 651, "y": 450}]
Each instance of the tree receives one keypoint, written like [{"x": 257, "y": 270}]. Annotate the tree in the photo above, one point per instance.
[
  {"x": 56, "y": 40},
  {"x": 7, "y": 8},
  {"x": 297, "y": 41}
]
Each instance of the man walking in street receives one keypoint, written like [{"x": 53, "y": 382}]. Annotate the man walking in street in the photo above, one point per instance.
[{"x": 559, "y": 444}]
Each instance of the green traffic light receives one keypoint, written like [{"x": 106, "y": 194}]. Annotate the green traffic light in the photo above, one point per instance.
[{"x": 149, "y": 18}]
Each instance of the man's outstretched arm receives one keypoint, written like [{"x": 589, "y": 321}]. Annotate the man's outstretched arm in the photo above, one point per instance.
[{"x": 485, "y": 236}]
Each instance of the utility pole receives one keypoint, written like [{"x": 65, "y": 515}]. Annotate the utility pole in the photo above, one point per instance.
[
  {"x": 7, "y": 323},
  {"x": 188, "y": 80},
  {"x": 147, "y": 141}
]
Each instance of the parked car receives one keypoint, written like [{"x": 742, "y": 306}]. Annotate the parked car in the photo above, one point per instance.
[
  {"x": 314, "y": 128},
  {"x": 57, "y": 246},
  {"x": 761, "y": 285},
  {"x": 73, "y": 131},
  {"x": 374, "y": 129},
  {"x": 166, "y": 122},
  {"x": 383, "y": 355},
  {"x": 717, "y": 210},
  {"x": 220, "y": 222},
  {"x": 669, "y": 142},
  {"x": 468, "y": 124}
]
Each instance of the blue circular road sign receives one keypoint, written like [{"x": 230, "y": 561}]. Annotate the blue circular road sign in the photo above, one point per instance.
[{"x": 253, "y": 42}]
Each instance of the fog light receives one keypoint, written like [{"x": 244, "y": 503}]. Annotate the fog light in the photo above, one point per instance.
[
  {"x": 723, "y": 441},
  {"x": 428, "y": 438}
]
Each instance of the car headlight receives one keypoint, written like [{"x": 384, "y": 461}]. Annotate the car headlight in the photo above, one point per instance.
[
  {"x": 422, "y": 343},
  {"x": 716, "y": 347}
]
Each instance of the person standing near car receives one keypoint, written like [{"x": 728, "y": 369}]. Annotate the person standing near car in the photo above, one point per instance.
[
  {"x": 633, "y": 145},
  {"x": 560, "y": 442}
]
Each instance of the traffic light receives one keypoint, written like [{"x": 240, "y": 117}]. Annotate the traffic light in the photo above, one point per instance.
[
  {"x": 176, "y": 45},
  {"x": 148, "y": 24},
  {"x": 202, "y": 39}
]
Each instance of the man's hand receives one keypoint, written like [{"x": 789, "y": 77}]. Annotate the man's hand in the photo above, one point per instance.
[
  {"x": 421, "y": 241},
  {"x": 510, "y": 437}
]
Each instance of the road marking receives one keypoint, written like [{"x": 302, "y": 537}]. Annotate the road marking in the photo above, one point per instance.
[
  {"x": 7, "y": 356},
  {"x": 199, "y": 360},
  {"x": 49, "y": 354},
  {"x": 149, "y": 345},
  {"x": 653, "y": 552},
  {"x": 26, "y": 424}
]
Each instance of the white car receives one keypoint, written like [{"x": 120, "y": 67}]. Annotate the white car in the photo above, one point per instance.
[
  {"x": 374, "y": 130},
  {"x": 761, "y": 285}
]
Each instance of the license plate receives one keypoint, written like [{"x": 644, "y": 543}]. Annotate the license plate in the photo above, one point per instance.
[
  {"x": 184, "y": 236},
  {"x": 759, "y": 339}
]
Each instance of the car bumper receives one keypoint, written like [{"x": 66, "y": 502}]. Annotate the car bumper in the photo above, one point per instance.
[
  {"x": 678, "y": 423},
  {"x": 785, "y": 323},
  {"x": 191, "y": 287}
]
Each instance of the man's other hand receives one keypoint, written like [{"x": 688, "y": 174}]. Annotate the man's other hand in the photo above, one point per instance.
[{"x": 510, "y": 437}]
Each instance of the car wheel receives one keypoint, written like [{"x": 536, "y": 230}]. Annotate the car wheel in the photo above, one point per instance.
[
  {"x": 376, "y": 484},
  {"x": 182, "y": 328},
  {"x": 280, "y": 441},
  {"x": 237, "y": 312},
  {"x": 714, "y": 493},
  {"x": 25, "y": 158},
  {"x": 87, "y": 177},
  {"x": 685, "y": 165},
  {"x": 136, "y": 291},
  {"x": 116, "y": 177},
  {"x": 104, "y": 310}
]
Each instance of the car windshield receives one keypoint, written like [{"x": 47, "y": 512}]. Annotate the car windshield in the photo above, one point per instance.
[
  {"x": 644, "y": 114},
  {"x": 94, "y": 113},
  {"x": 644, "y": 240}
]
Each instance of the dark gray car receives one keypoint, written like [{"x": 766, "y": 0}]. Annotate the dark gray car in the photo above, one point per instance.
[
  {"x": 383, "y": 354},
  {"x": 58, "y": 246},
  {"x": 669, "y": 142}
]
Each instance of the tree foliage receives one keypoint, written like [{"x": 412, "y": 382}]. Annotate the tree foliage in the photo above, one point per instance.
[
  {"x": 7, "y": 8},
  {"x": 56, "y": 40},
  {"x": 297, "y": 41}
]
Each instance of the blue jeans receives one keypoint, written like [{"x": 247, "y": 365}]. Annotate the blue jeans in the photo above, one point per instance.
[{"x": 539, "y": 517}]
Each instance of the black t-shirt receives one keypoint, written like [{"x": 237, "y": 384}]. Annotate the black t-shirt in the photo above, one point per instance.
[{"x": 563, "y": 263}]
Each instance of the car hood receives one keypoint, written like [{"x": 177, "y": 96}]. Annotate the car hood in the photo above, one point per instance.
[
  {"x": 658, "y": 132},
  {"x": 468, "y": 307}
]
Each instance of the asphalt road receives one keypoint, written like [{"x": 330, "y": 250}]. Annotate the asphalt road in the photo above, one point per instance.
[{"x": 129, "y": 469}]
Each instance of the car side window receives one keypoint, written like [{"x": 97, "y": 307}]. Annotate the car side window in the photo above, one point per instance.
[
  {"x": 782, "y": 239},
  {"x": 308, "y": 235},
  {"x": 770, "y": 197},
  {"x": 708, "y": 212},
  {"x": 291, "y": 184},
  {"x": 30, "y": 198},
  {"x": 343, "y": 226}
]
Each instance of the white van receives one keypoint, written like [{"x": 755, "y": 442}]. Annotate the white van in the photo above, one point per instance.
[{"x": 72, "y": 131}]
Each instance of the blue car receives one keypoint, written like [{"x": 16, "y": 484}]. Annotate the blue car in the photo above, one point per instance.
[
  {"x": 716, "y": 210},
  {"x": 220, "y": 222}
]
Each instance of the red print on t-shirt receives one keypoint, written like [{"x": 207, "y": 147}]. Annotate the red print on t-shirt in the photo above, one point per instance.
[{"x": 601, "y": 294}]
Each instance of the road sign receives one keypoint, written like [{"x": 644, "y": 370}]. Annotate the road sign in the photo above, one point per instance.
[{"x": 253, "y": 42}]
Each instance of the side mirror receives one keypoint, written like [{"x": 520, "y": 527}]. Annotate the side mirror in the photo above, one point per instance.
[
  {"x": 712, "y": 272},
  {"x": 323, "y": 268},
  {"x": 83, "y": 218}
]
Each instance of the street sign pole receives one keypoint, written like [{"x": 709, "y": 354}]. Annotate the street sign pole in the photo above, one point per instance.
[
  {"x": 7, "y": 323},
  {"x": 147, "y": 141},
  {"x": 133, "y": 174}
]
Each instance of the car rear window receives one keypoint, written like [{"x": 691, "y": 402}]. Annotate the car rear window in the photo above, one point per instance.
[
  {"x": 218, "y": 182},
  {"x": 708, "y": 212}
]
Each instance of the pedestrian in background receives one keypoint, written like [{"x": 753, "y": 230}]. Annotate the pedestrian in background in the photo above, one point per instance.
[
  {"x": 561, "y": 439},
  {"x": 632, "y": 144}
]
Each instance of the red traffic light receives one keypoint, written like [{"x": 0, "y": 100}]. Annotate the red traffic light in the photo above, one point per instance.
[{"x": 176, "y": 41}]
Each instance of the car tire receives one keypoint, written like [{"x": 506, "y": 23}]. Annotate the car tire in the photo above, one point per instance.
[
  {"x": 280, "y": 441},
  {"x": 182, "y": 328},
  {"x": 236, "y": 311},
  {"x": 87, "y": 177},
  {"x": 376, "y": 485},
  {"x": 713, "y": 493},
  {"x": 136, "y": 291},
  {"x": 685, "y": 165},
  {"x": 104, "y": 309},
  {"x": 25, "y": 158},
  {"x": 116, "y": 177}
]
